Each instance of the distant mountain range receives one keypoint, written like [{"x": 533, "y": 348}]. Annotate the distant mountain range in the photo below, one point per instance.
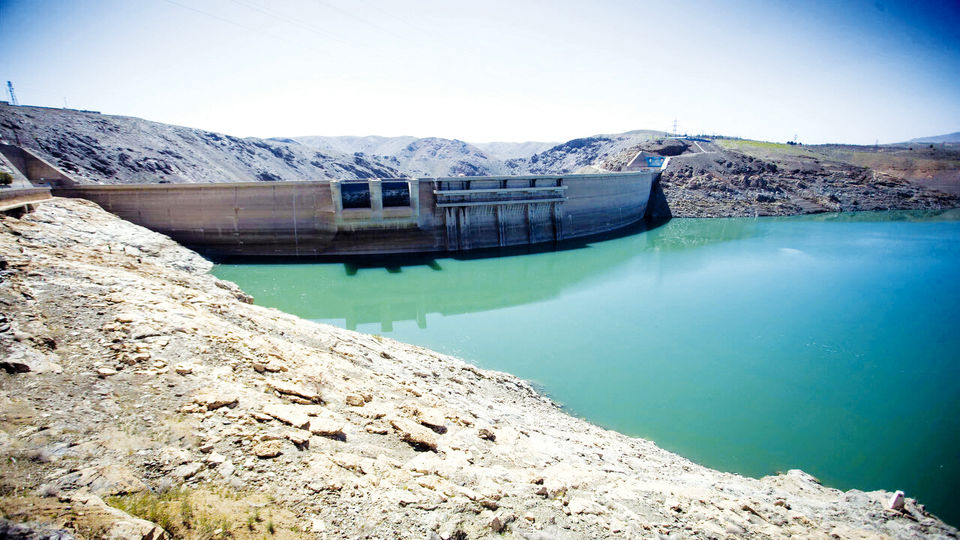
[
  {"x": 948, "y": 138},
  {"x": 434, "y": 156}
]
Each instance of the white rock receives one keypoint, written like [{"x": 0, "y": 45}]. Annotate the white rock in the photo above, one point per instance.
[
  {"x": 288, "y": 414},
  {"x": 897, "y": 501}
]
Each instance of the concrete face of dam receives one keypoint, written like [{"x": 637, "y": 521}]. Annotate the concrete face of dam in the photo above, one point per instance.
[{"x": 381, "y": 216}]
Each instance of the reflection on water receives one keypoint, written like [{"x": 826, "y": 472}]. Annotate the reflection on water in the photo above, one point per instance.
[
  {"x": 754, "y": 345},
  {"x": 464, "y": 285}
]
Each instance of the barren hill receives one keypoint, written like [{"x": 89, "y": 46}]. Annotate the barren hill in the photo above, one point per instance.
[
  {"x": 95, "y": 148},
  {"x": 429, "y": 156}
]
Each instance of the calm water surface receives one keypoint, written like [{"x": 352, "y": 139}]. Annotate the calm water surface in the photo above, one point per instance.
[{"x": 827, "y": 343}]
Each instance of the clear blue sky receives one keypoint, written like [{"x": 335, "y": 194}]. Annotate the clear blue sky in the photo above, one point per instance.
[{"x": 844, "y": 71}]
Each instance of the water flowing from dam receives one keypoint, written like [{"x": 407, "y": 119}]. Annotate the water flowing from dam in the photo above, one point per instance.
[{"x": 828, "y": 343}]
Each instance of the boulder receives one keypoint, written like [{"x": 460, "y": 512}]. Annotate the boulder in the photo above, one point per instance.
[
  {"x": 288, "y": 414},
  {"x": 416, "y": 435},
  {"x": 187, "y": 470},
  {"x": 212, "y": 399},
  {"x": 292, "y": 389},
  {"x": 326, "y": 427},
  {"x": 268, "y": 449},
  {"x": 433, "y": 419}
]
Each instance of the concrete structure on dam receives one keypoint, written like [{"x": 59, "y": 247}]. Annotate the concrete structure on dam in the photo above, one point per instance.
[
  {"x": 379, "y": 216},
  {"x": 370, "y": 216}
]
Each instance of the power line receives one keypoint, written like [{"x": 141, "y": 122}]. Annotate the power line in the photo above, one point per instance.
[
  {"x": 361, "y": 19},
  {"x": 234, "y": 23},
  {"x": 278, "y": 16}
]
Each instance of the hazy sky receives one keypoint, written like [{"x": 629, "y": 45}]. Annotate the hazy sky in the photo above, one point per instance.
[{"x": 844, "y": 71}]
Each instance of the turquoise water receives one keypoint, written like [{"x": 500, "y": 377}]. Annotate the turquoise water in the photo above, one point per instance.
[{"x": 828, "y": 343}]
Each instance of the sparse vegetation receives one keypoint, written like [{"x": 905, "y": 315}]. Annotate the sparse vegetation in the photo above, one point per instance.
[
  {"x": 203, "y": 513},
  {"x": 5, "y": 178}
]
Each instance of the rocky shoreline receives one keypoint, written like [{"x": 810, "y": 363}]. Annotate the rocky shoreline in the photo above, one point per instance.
[{"x": 130, "y": 374}]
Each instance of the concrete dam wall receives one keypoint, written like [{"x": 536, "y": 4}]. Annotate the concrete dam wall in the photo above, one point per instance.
[{"x": 382, "y": 216}]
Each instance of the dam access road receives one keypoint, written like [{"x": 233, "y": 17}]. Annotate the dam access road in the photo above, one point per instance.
[{"x": 134, "y": 377}]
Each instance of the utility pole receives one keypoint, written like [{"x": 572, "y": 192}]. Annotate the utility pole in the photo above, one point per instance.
[{"x": 13, "y": 96}]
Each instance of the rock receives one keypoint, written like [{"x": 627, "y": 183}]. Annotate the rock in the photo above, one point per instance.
[
  {"x": 291, "y": 389},
  {"x": 215, "y": 459},
  {"x": 288, "y": 414},
  {"x": 261, "y": 417},
  {"x": 26, "y": 359},
  {"x": 317, "y": 526},
  {"x": 580, "y": 505},
  {"x": 103, "y": 373},
  {"x": 212, "y": 399},
  {"x": 298, "y": 437},
  {"x": 106, "y": 480},
  {"x": 433, "y": 419},
  {"x": 897, "y": 501},
  {"x": 32, "y": 531},
  {"x": 188, "y": 470},
  {"x": 13, "y": 366},
  {"x": 416, "y": 435},
  {"x": 352, "y": 462},
  {"x": 326, "y": 427},
  {"x": 127, "y": 317},
  {"x": 273, "y": 366},
  {"x": 173, "y": 456},
  {"x": 268, "y": 449},
  {"x": 183, "y": 369},
  {"x": 226, "y": 469},
  {"x": 486, "y": 434},
  {"x": 500, "y": 521},
  {"x": 376, "y": 429},
  {"x": 355, "y": 400}
]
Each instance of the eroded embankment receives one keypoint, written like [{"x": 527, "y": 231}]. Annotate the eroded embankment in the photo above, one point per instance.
[{"x": 133, "y": 370}]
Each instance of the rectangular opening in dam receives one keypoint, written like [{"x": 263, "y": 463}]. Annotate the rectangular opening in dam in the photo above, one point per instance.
[
  {"x": 355, "y": 194},
  {"x": 395, "y": 194}
]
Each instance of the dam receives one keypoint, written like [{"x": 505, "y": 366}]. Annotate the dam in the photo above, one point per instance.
[
  {"x": 379, "y": 216},
  {"x": 373, "y": 216}
]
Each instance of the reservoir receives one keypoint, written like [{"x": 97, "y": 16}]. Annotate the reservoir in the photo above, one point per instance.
[{"x": 829, "y": 343}]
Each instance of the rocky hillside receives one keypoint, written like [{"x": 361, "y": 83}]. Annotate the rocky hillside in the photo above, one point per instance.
[
  {"x": 512, "y": 150},
  {"x": 423, "y": 157},
  {"x": 140, "y": 392},
  {"x": 729, "y": 177},
  {"x": 97, "y": 148},
  {"x": 952, "y": 138},
  {"x": 434, "y": 156}
]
